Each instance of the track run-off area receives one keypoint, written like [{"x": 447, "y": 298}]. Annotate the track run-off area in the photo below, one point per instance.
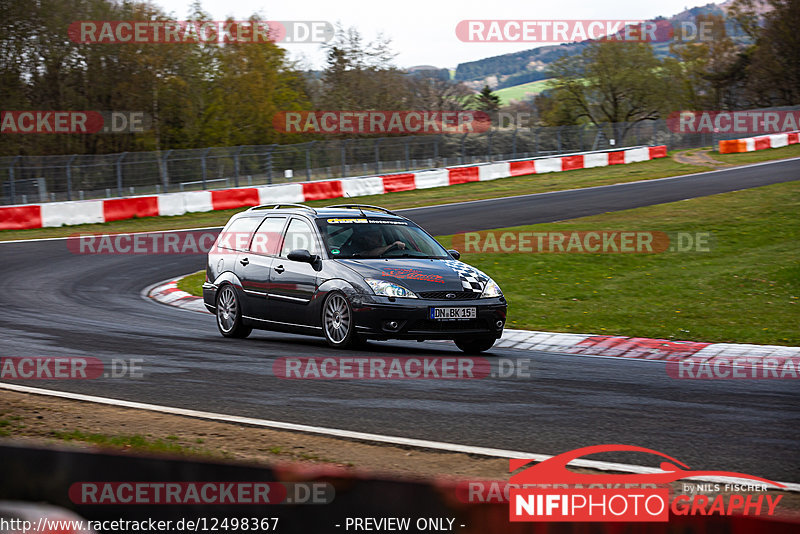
[{"x": 57, "y": 303}]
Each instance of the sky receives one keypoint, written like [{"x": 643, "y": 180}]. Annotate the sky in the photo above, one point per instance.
[{"x": 422, "y": 32}]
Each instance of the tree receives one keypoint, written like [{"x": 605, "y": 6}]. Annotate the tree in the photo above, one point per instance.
[
  {"x": 197, "y": 93},
  {"x": 360, "y": 75},
  {"x": 708, "y": 73},
  {"x": 437, "y": 94},
  {"x": 611, "y": 82},
  {"x": 773, "y": 70},
  {"x": 487, "y": 101}
]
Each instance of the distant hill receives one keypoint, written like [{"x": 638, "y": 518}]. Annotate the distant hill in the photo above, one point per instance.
[{"x": 527, "y": 66}]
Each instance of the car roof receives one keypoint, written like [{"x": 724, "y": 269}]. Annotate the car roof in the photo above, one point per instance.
[
  {"x": 351, "y": 212},
  {"x": 372, "y": 212}
]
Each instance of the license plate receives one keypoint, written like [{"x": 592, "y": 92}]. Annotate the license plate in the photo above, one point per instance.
[{"x": 453, "y": 314}]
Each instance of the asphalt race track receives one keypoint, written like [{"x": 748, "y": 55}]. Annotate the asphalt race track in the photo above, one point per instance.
[{"x": 56, "y": 303}]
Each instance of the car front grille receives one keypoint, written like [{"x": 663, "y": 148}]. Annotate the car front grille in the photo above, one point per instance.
[
  {"x": 442, "y": 295},
  {"x": 447, "y": 326}
]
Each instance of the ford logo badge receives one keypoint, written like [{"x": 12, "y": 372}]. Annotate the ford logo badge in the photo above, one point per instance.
[{"x": 451, "y": 295}]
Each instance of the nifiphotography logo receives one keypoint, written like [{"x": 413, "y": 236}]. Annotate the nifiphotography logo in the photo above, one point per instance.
[{"x": 548, "y": 491}]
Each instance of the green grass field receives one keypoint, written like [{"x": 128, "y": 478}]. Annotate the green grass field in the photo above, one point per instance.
[
  {"x": 521, "y": 92},
  {"x": 745, "y": 290}
]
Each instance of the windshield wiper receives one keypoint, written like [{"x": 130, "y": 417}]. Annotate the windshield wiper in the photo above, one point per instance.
[{"x": 407, "y": 255}]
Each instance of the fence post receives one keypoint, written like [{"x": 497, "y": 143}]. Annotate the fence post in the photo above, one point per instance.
[
  {"x": 308, "y": 159},
  {"x": 583, "y": 130},
  {"x": 535, "y": 139},
  {"x": 436, "y": 142},
  {"x": 378, "y": 155},
  {"x": 408, "y": 155},
  {"x": 343, "y": 150},
  {"x": 69, "y": 176},
  {"x": 119, "y": 173},
  {"x": 463, "y": 140},
  {"x": 165, "y": 170},
  {"x": 514, "y": 143},
  {"x": 13, "y": 188},
  {"x": 203, "y": 167},
  {"x": 236, "y": 165},
  {"x": 558, "y": 138},
  {"x": 269, "y": 162},
  {"x": 489, "y": 146}
]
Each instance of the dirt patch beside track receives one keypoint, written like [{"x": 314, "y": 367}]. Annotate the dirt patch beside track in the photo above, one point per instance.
[
  {"x": 699, "y": 157},
  {"x": 39, "y": 420}
]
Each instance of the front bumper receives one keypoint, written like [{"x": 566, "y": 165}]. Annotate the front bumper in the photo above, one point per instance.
[{"x": 375, "y": 318}]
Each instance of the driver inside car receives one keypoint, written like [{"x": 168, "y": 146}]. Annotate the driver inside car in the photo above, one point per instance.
[{"x": 370, "y": 242}]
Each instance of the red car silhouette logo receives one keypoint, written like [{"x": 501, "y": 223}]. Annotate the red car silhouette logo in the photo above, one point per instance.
[{"x": 554, "y": 470}]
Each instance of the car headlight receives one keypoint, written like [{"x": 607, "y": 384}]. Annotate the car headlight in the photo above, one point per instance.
[
  {"x": 388, "y": 289},
  {"x": 491, "y": 290}
]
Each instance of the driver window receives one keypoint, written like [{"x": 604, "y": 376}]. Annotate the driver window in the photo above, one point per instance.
[{"x": 299, "y": 235}]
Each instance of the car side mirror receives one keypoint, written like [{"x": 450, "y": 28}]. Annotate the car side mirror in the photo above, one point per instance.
[
  {"x": 454, "y": 253},
  {"x": 302, "y": 255}
]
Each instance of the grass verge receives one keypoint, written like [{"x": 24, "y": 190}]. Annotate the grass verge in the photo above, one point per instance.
[
  {"x": 136, "y": 442},
  {"x": 534, "y": 183},
  {"x": 745, "y": 290},
  {"x": 193, "y": 283}
]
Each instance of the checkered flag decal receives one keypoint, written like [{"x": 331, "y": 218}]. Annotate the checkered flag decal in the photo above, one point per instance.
[{"x": 471, "y": 278}]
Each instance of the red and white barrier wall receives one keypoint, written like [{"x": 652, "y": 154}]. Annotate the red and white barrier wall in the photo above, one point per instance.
[
  {"x": 751, "y": 144},
  {"x": 55, "y": 214}
]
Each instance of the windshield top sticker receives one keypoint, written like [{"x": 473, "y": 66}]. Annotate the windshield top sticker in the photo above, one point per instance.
[
  {"x": 365, "y": 221},
  {"x": 347, "y": 221}
]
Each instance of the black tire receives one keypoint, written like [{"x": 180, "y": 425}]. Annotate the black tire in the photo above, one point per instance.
[
  {"x": 475, "y": 345},
  {"x": 338, "y": 324},
  {"x": 229, "y": 314}
]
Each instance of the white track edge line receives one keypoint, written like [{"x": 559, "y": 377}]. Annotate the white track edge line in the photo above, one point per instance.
[
  {"x": 79, "y": 234},
  {"x": 364, "y": 436}
]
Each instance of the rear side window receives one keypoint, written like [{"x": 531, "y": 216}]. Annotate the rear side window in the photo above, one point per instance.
[
  {"x": 267, "y": 238},
  {"x": 299, "y": 235},
  {"x": 236, "y": 236}
]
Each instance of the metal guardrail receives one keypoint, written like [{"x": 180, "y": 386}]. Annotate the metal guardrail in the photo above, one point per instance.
[{"x": 90, "y": 176}]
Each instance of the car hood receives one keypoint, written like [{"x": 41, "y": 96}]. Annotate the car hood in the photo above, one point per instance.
[{"x": 421, "y": 275}]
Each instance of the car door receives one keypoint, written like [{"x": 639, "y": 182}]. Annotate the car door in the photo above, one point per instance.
[
  {"x": 255, "y": 265},
  {"x": 293, "y": 283}
]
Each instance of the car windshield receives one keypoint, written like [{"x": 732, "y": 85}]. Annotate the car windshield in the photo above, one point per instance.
[{"x": 365, "y": 237}]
